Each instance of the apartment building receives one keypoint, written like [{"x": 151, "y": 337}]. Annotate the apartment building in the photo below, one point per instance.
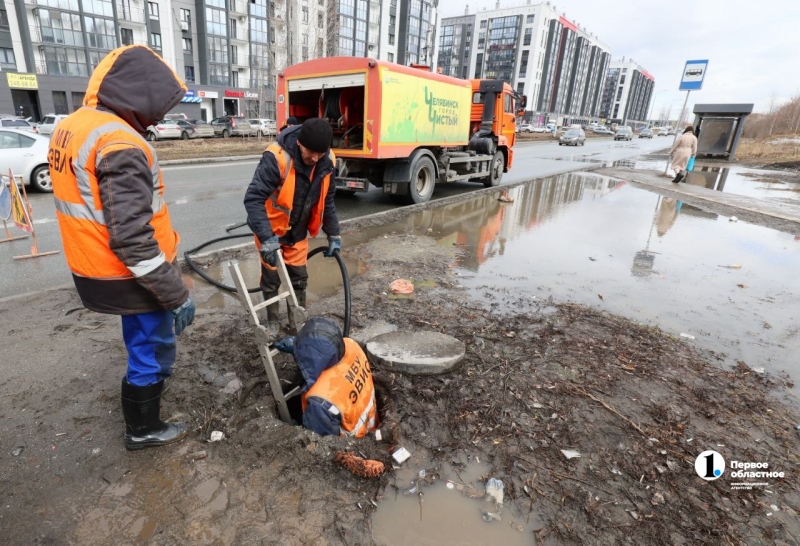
[
  {"x": 627, "y": 93},
  {"x": 229, "y": 52},
  {"x": 559, "y": 64}
]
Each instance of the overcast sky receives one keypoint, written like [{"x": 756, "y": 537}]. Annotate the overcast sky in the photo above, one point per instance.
[{"x": 753, "y": 47}]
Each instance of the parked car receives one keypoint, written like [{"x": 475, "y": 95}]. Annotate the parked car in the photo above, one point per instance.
[
  {"x": 48, "y": 124},
  {"x": 228, "y": 126},
  {"x": 26, "y": 154},
  {"x": 266, "y": 127},
  {"x": 646, "y": 133},
  {"x": 574, "y": 136},
  {"x": 624, "y": 133},
  {"x": 166, "y": 129},
  {"x": 196, "y": 128},
  {"x": 525, "y": 128},
  {"x": 671, "y": 132},
  {"x": 602, "y": 131},
  {"x": 664, "y": 131},
  {"x": 9, "y": 122},
  {"x": 177, "y": 117}
]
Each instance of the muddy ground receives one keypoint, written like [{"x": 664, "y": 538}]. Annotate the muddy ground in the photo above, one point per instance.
[{"x": 538, "y": 377}]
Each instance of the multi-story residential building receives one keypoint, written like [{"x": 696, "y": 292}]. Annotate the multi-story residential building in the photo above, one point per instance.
[
  {"x": 229, "y": 52},
  {"x": 557, "y": 63},
  {"x": 627, "y": 93}
]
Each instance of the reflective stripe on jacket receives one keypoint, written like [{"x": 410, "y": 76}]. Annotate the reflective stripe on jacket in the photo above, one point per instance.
[
  {"x": 109, "y": 194},
  {"x": 348, "y": 389},
  {"x": 279, "y": 205}
]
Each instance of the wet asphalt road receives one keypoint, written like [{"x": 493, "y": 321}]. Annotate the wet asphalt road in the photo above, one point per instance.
[{"x": 204, "y": 199}]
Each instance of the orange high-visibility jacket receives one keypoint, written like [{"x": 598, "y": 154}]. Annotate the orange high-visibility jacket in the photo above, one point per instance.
[
  {"x": 279, "y": 204},
  {"x": 348, "y": 388},
  {"x": 109, "y": 193}
]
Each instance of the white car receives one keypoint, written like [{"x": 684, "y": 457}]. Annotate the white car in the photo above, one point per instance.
[
  {"x": 18, "y": 123},
  {"x": 48, "y": 124},
  {"x": 266, "y": 127},
  {"x": 25, "y": 153},
  {"x": 166, "y": 129}
]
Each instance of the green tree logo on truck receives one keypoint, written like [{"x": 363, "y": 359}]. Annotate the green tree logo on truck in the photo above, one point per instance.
[{"x": 441, "y": 111}]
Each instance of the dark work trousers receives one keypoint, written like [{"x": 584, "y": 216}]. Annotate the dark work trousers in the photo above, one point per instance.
[{"x": 295, "y": 257}]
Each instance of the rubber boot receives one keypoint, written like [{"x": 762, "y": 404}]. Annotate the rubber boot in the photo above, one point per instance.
[
  {"x": 296, "y": 322},
  {"x": 273, "y": 319},
  {"x": 141, "y": 407},
  {"x": 678, "y": 177}
]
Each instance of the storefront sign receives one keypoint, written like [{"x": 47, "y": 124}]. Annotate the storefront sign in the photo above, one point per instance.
[
  {"x": 234, "y": 94},
  {"x": 208, "y": 94},
  {"x": 190, "y": 93},
  {"x": 22, "y": 81},
  {"x": 250, "y": 95}
]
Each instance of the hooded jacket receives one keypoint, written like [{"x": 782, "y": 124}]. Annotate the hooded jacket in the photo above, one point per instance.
[
  {"x": 339, "y": 394},
  {"x": 267, "y": 180},
  {"x": 108, "y": 188}
]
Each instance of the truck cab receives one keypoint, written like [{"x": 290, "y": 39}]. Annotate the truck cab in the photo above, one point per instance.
[{"x": 501, "y": 110}]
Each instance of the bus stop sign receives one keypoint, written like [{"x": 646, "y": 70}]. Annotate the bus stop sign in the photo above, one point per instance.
[{"x": 693, "y": 75}]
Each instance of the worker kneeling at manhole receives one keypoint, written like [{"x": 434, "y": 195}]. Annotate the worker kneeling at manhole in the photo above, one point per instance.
[{"x": 339, "y": 395}]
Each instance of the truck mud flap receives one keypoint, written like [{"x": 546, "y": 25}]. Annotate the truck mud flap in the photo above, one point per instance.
[{"x": 352, "y": 184}]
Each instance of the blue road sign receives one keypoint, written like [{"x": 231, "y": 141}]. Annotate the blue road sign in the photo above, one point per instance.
[{"x": 693, "y": 75}]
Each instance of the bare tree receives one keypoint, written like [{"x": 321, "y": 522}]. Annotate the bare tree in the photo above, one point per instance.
[{"x": 332, "y": 30}]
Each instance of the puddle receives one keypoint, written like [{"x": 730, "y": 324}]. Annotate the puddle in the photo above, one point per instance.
[
  {"x": 579, "y": 236},
  {"x": 448, "y": 512}
]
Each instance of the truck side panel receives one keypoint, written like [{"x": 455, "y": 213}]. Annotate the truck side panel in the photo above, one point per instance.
[{"x": 420, "y": 111}]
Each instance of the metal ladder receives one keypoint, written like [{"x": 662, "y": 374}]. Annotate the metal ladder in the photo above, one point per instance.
[{"x": 265, "y": 344}]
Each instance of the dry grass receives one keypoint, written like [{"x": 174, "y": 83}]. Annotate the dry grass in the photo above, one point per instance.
[
  {"x": 751, "y": 148},
  {"x": 210, "y": 147}
]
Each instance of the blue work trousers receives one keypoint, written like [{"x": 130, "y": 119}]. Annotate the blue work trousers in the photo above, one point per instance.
[{"x": 150, "y": 340}]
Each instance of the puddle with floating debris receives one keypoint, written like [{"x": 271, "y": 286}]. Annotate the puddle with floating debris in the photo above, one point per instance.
[{"x": 448, "y": 507}]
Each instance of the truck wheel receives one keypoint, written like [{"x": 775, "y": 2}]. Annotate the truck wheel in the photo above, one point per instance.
[
  {"x": 420, "y": 188},
  {"x": 496, "y": 174}
]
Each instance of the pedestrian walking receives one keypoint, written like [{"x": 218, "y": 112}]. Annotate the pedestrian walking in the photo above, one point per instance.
[
  {"x": 683, "y": 149},
  {"x": 116, "y": 230},
  {"x": 290, "y": 198}
]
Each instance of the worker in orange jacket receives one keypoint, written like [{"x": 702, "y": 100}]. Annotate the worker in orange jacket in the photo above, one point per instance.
[
  {"x": 339, "y": 394},
  {"x": 290, "y": 198},
  {"x": 115, "y": 226}
]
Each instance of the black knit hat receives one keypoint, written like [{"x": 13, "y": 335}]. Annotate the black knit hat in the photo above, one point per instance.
[
  {"x": 291, "y": 121},
  {"x": 316, "y": 135}
]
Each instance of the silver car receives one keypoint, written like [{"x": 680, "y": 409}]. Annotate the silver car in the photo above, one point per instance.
[
  {"x": 26, "y": 154},
  {"x": 574, "y": 137},
  {"x": 17, "y": 123},
  {"x": 166, "y": 129},
  {"x": 48, "y": 124}
]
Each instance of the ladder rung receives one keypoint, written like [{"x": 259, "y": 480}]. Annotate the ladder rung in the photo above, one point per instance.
[
  {"x": 273, "y": 353},
  {"x": 279, "y": 297}
]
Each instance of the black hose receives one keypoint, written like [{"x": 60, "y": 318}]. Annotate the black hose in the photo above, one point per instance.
[{"x": 339, "y": 260}]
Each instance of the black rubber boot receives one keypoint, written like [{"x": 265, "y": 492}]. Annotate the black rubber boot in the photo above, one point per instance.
[
  {"x": 141, "y": 407},
  {"x": 678, "y": 177},
  {"x": 273, "y": 319}
]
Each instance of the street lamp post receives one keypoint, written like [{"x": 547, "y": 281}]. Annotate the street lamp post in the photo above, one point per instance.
[{"x": 652, "y": 105}]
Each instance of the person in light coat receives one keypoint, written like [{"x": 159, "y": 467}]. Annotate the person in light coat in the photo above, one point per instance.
[{"x": 683, "y": 149}]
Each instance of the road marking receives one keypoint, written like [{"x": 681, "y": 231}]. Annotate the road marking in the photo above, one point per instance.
[{"x": 43, "y": 221}]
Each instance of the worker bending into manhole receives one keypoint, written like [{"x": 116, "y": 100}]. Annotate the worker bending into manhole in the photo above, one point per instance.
[
  {"x": 290, "y": 198},
  {"x": 339, "y": 396}
]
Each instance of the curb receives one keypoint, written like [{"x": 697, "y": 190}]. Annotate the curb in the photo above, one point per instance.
[{"x": 208, "y": 160}]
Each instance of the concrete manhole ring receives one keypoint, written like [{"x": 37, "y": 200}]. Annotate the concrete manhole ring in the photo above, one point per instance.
[{"x": 416, "y": 353}]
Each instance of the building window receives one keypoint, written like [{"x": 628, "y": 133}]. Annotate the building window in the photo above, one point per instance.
[
  {"x": 622, "y": 80},
  {"x": 528, "y": 35},
  {"x": 153, "y": 8},
  {"x": 479, "y": 66},
  {"x": 188, "y": 73},
  {"x": 305, "y": 15},
  {"x": 234, "y": 33},
  {"x": 95, "y": 7},
  {"x": 483, "y": 24},
  {"x": 391, "y": 39},
  {"x": 305, "y": 53},
  {"x": 523, "y": 64},
  {"x": 127, "y": 36},
  {"x": 187, "y": 45},
  {"x": 186, "y": 16},
  {"x": 235, "y": 79},
  {"x": 391, "y": 57},
  {"x": 65, "y": 61},
  {"x": 7, "y": 59},
  {"x": 305, "y": 39},
  {"x": 60, "y": 102},
  {"x": 619, "y": 93},
  {"x": 392, "y": 21},
  {"x": 320, "y": 19},
  {"x": 3, "y": 20},
  {"x": 100, "y": 33},
  {"x": 60, "y": 28},
  {"x": 155, "y": 40},
  {"x": 77, "y": 100},
  {"x": 520, "y": 88},
  {"x": 529, "y": 19}
]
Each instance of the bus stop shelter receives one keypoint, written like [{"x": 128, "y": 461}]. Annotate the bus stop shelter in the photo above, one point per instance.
[{"x": 719, "y": 127}]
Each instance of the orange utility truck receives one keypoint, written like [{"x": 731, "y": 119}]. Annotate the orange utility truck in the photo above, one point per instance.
[{"x": 404, "y": 128}]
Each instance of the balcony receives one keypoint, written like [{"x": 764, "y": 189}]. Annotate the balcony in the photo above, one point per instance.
[
  {"x": 30, "y": 2},
  {"x": 240, "y": 60},
  {"x": 126, "y": 13},
  {"x": 239, "y": 34}
]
